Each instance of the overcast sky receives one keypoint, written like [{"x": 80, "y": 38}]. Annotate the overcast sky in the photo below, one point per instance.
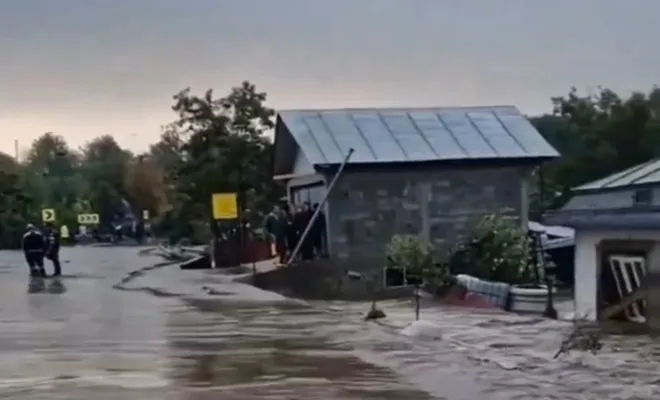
[{"x": 81, "y": 68}]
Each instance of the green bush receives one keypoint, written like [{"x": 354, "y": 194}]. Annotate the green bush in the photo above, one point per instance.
[
  {"x": 499, "y": 250},
  {"x": 417, "y": 256}
]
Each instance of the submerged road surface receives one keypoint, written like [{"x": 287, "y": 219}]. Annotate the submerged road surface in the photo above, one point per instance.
[{"x": 172, "y": 334}]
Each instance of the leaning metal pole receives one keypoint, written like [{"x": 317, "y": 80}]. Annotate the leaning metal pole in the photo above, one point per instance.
[{"x": 318, "y": 209}]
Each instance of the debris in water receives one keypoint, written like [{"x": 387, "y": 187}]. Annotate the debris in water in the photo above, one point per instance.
[
  {"x": 374, "y": 314},
  {"x": 585, "y": 336}
]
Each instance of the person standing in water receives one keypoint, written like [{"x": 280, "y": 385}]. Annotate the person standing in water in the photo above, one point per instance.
[
  {"x": 33, "y": 248},
  {"x": 53, "y": 248}
]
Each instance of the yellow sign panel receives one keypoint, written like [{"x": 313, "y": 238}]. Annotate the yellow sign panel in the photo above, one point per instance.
[
  {"x": 64, "y": 232},
  {"x": 225, "y": 206},
  {"x": 88, "y": 219},
  {"x": 48, "y": 215}
]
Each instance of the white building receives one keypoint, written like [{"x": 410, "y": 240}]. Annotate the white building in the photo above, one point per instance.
[{"x": 617, "y": 242}]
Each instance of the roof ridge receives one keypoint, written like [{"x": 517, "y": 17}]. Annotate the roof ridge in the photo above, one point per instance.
[{"x": 388, "y": 108}]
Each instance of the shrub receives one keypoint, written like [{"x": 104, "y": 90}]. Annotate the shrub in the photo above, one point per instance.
[
  {"x": 417, "y": 257},
  {"x": 498, "y": 251}
]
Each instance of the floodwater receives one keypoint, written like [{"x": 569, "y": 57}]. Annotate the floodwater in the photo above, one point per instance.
[{"x": 197, "y": 335}]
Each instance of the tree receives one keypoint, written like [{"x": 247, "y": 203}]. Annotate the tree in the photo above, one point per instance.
[
  {"x": 218, "y": 145},
  {"x": 104, "y": 166},
  {"x": 597, "y": 134},
  {"x": 145, "y": 186},
  {"x": 8, "y": 164},
  {"x": 51, "y": 176},
  {"x": 15, "y": 205}
]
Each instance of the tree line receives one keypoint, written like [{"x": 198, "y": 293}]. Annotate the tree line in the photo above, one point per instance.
[
  {"x": 220, "y": 144},
  {"x": 215, "y": 144}
]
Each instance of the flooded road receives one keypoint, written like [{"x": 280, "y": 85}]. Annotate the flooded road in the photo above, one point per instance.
[{"x": 197, "y": 335}]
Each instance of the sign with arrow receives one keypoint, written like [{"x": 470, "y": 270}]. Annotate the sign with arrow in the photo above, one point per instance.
[
  {"x": 88, "y": 219},
  {"x": 48, "y": 215}
]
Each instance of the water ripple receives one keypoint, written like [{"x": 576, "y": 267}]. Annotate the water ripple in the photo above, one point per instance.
[{"x": 197, "y": 335}]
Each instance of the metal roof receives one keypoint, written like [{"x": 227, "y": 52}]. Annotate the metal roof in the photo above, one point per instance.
[
  {"x": 648, "y": 172},
  {"x": 413, "y": 135},
  {"x": 606, "y": 219}
]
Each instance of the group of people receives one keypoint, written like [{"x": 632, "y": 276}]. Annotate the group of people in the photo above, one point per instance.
[
  {"x": 286, "y": 226},
  {"x": 38, "y": 245}
]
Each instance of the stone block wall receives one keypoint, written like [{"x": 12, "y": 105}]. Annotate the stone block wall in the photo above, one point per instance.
[{"x": 365, "y": 209}]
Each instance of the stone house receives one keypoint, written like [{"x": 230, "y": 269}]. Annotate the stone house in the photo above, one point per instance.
[
  {"x": 617, "y": 242},
  {"x": 428, "y": 171}
]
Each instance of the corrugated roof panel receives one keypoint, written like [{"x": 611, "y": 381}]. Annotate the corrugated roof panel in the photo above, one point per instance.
[
  {"x": 381, "y": 140},
  {"x": 653, "y": 177},
  {"x": 648, "y": 172},
  {"x": 324, "y": 137},
  {"x": 633, "y": 177},
  {"x": 443, "y": 143},
  {"x": 302, "y": 134},
  {"x": 603, "y": 182},
  {"x": 496, "y": 135},
  {"x": 408, "y": 136},
  {"x": 525, "y": 134},
  {"x": 425, "y": 134},
  {"x": 467, "y": 135},
  {"x": 347, "y": 136}
]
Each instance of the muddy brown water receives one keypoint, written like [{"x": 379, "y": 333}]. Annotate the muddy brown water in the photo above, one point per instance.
[{"x": 175, "y": 334}]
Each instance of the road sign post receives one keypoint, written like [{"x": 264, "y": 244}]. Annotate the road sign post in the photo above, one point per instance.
[{"x": 48, "y": 215}]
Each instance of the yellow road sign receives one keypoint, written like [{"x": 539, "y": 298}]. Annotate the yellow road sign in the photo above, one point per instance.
[
  {"x": 88, "y": 219},
  {"x": 64, "y": 232},
  {"x": 224, "y": 206},
  {"x": 48, "y": 215}
]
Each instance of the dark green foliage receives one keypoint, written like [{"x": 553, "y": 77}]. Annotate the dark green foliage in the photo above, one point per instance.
[
  {"x": 498, "y": 251},
  {"x": 215, "y": 145},
  {"x": 597, "y": 135}
]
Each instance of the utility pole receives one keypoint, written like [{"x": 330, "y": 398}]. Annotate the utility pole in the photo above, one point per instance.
[{"x": 16, "y": 150}]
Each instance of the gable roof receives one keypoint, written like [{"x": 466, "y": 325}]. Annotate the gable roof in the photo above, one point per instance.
[
  {"x": 397, "y": 135},
  {"x": 645, "y": 173}
]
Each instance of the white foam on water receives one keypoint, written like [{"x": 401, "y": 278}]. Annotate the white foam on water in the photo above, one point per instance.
[
  {"x": 422, "y": 329},
  {"x": 128, "y": 380}
]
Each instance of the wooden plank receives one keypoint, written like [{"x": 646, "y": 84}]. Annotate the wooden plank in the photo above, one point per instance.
[{"x": 612, "y": 310}]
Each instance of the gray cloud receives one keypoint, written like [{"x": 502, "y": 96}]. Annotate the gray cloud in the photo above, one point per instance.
[{"x": 86, "y": 67}]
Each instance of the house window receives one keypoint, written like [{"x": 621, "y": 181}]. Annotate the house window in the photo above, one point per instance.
[
  {"x": 307, "y": 194},
  {"x": 642, "y": 197},
  {"x": 398, "y": 277}
]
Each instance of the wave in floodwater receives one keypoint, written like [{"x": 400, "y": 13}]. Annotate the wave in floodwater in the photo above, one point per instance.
[
  {"x": 454, "y": 353},
  {"x": 200, "y": 335}
]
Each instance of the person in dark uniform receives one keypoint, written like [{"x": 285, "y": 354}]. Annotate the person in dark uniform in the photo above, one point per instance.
[
  {"x": 33, "y": 247},
  {"x": 53, "y": 248}
]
